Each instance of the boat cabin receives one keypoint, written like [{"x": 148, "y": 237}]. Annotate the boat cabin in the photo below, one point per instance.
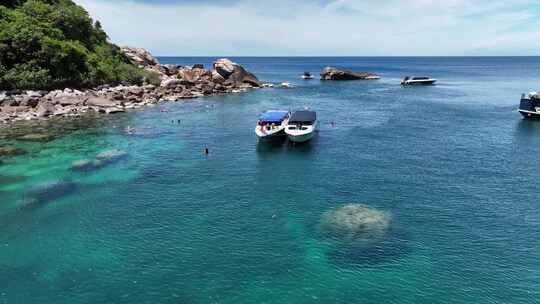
[
  {"x": 271, "y": 119},
  {"x": 300, "y": 119}
]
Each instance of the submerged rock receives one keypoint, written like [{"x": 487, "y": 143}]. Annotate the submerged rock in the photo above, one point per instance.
[
  {"x": 11, "y": 151},
  {"x": 36, "y": 137},
  {"x": 111, "y": 155},
  {"x": 102, "y": 159},
  {"x": 48, "y": 191},
  {"x": 330, "y": 73},
  {"x": 356, "y": 224},
  {"x": 11, "y": 179},
  {"x": 84, "y": 165}
]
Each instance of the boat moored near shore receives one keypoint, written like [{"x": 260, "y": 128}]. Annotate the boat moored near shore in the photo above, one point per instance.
[
  {"x": 301, "y": 126},
  {"x": 529, "y": 105},
  {"x": 414, "y": 80},
  {"x": 272, "y": 124}
]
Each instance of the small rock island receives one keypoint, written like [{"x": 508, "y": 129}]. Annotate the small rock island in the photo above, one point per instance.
[{"x": 331, "y": 73}]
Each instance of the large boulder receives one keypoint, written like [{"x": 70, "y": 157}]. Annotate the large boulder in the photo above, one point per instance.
[
  {"x": 191, "y": 74},
  {"x": 330, "y": 73},
  {"x": 99, "y": 101},
  {"x": 356, "y": 224},
  {"x": 224, "y": 67},
  {"x": 217, "y": 78},
  {"x": 70, "y": 100},
  {"x": 45, "y": 109},
  {"x": 140, "y": 56},
  {"x": 232, "y": 74},
  {"x": 170, "y": 69},
  {"x": 171, "y": 83}
]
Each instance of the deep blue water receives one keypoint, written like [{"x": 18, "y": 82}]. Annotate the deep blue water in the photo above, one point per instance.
[{"x": 454, "y": 165}]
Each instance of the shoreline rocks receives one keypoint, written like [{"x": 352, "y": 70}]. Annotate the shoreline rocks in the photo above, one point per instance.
[
  {"x": 331, "y": 73},
  {"x": 11, "y": 151},
  {"x": 176, "y": 83}
]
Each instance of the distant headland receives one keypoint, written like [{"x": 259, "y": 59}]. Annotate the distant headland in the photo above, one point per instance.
[{"x": 56, "y": 61}]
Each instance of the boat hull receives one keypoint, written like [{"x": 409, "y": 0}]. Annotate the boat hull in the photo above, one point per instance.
[
  {"x": 419, "y": 82},
  {"x": 527, "y": 108},
  {"x": 300, "y": 138},
  {"x": 267, "y": 136}
]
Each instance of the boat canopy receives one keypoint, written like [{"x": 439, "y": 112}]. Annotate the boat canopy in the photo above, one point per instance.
[
  {"x": 273, "y": 116},
  {"x": 420, "y": 78},
  {"x": 303, "y": 116}
]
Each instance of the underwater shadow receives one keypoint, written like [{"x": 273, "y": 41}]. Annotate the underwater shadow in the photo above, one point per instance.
[
  {"x": 378, "y": 254},
  {"x": 527, "y": 127},
  {"x": 271, "y": 146},
  {"x": 47, "y": 192}
]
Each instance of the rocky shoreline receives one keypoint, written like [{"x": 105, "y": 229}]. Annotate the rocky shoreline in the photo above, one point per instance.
[{"x": 175, "y": 83}]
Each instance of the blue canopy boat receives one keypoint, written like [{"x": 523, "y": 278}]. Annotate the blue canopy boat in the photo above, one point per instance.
[{"x": 272, "y": 124}]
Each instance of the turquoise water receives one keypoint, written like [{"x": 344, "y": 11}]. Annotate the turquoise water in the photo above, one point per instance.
[{"x": 454, "y": 164}]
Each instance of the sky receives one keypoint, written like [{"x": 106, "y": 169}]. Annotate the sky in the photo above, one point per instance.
[{"x": 322, "y": 27}]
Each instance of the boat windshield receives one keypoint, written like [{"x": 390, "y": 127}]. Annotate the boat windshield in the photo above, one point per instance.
[
  {"x": 303, "y": 118},
  {"x": 420, "y": 78}
]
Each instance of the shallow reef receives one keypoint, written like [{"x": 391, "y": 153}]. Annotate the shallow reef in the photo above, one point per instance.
[
  {"x": 47, "y": 192},
  {"x": 101, "y": 160},
  {"x": 356, "y": 224}
]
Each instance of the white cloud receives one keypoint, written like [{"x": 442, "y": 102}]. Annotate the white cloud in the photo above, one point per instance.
[{"x": 340, "y": 27}]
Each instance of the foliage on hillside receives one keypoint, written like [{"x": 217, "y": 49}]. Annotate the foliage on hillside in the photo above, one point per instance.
[{"x": 48, "y": 44}]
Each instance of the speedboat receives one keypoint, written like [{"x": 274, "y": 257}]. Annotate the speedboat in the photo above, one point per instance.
[
  {"x": 307, "y": 76},
  {"x": 286, "y": 85},
  {"x": 373, "y": 77},
  {"x": 301, "y": 126},
  {"x": 529, "y": 105},
  {"x": 272, "y": 124},
  {"x": 418, "y": 81}
]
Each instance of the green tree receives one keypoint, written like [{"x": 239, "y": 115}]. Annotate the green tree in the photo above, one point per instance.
[{"x": 47, "y": 44}]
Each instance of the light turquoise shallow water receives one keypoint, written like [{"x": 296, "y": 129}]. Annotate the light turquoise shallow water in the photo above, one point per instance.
[{"x": 453, "y": 164}]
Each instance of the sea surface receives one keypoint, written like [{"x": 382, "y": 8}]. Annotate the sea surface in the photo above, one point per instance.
[{"x": 453, "y": 164}]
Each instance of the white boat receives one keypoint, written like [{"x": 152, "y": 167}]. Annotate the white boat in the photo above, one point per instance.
[
  {"x": 286, "y": 85},
  {"x": 373, "y": 77},
  {"x": 307, "y": 76},
  {"x": 301, "y": 126},
  {"x": 272, "y": 124},
  {"x": 418, "y": 81}
]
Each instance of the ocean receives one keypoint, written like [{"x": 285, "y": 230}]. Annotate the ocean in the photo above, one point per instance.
[{"x": 453, "y": 165}]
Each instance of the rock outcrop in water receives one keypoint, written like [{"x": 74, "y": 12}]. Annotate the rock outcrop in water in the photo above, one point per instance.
[
  {"x": 175, "y": 83},
  {"x": 356, "y": 224},
  {"x": 330, "y": 73}
]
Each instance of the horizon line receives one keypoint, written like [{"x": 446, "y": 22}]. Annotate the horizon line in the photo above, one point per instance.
[{"x": 354, "y": 56}]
